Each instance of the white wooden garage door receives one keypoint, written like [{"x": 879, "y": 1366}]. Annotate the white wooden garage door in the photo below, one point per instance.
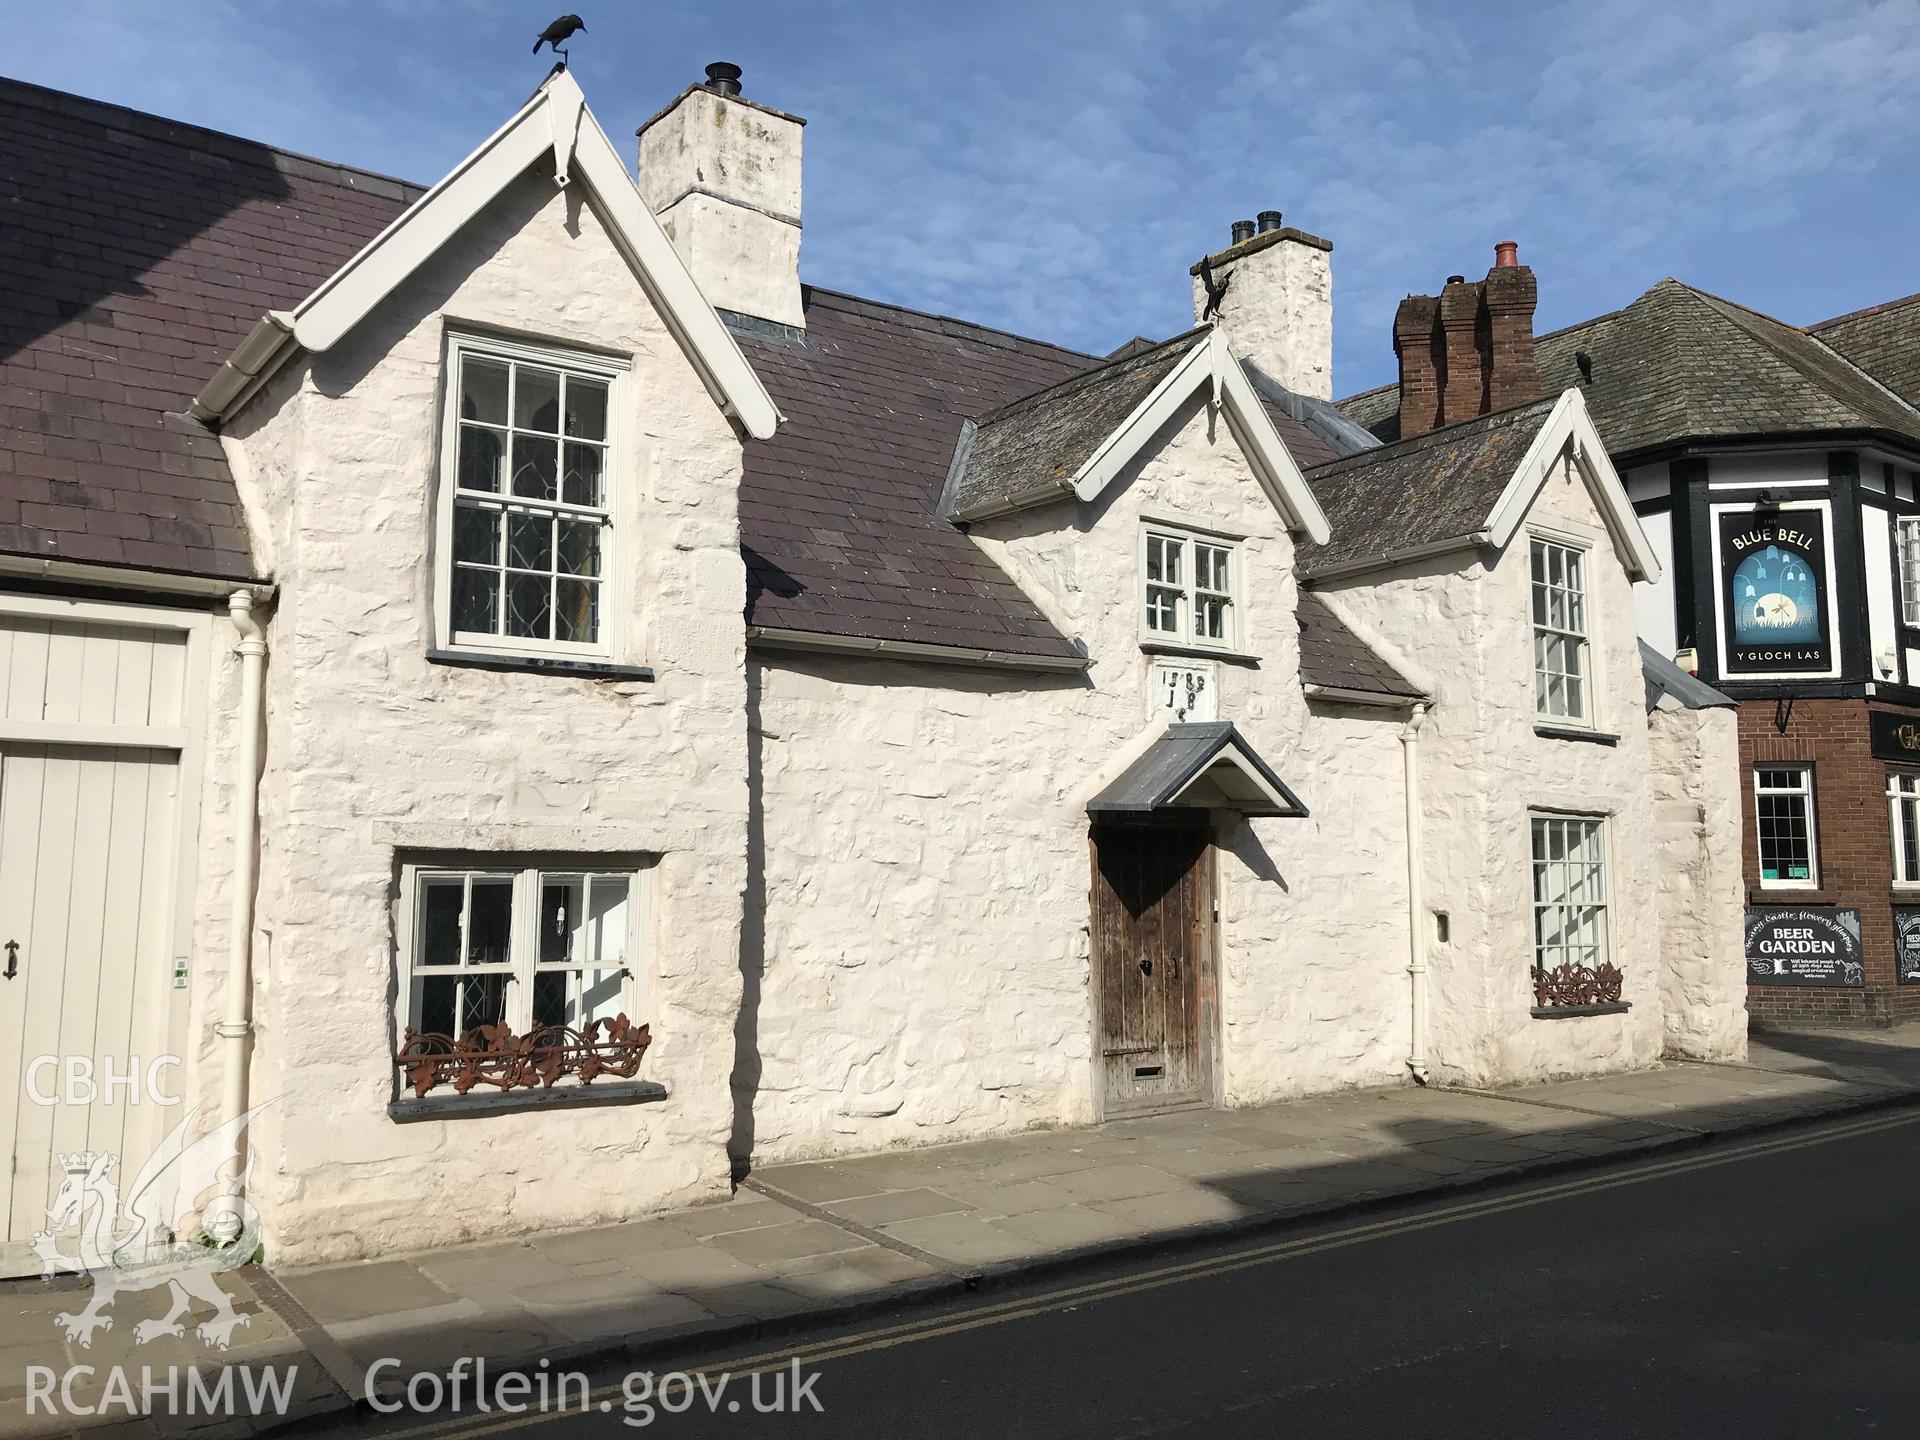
[{"x": 89, "y": 874}]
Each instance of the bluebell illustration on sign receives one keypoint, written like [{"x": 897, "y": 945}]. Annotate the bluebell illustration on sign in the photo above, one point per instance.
[{"x": 1776, "y": 599}]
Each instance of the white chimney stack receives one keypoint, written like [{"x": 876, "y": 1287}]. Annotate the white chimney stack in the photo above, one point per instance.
[
  {"x": 722, "y": 173},
  {"x": 1278, "y": 308}
]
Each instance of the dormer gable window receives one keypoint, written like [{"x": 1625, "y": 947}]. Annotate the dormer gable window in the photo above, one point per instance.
[
  {"x": 526, "y": 512},
  {"x": 1189, "y": 589}
]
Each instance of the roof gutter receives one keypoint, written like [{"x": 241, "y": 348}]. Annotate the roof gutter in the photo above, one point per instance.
[
  {"x": 1011, "y": 504},
  {"x": 263, "y": 351},
  {"x": 1362, "y": 697},
  {"x": 1474, "y": 541},
  {"x": 772, "y": 637},
  {"x": 118, "y": 577}
]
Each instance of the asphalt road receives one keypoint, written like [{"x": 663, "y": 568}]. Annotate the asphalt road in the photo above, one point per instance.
[{"x": 1769, "y": 1290}]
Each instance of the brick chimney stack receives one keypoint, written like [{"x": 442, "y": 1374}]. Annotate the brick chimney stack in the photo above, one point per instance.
[
  {"x": 1416, "y": 341},
  {"x": 1463, "y": 387},
  {"x": 1468, "y": 351}
]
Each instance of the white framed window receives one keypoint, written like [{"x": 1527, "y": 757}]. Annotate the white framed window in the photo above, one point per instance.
[
  {"x": 1557, "y": 581},
  {"x": 1569, "y": 894},
  {"x": 1190, "y": 589},
  {"x": 528, "y": 946},
  {"x": 526, "y": 503},
  {"x": 1783, "y": 826},
  {"x": 1906, "y": 533},
  {"x": 1903, "y": 806}
]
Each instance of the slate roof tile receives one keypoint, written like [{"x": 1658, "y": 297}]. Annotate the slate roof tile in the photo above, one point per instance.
[
  {"x": 134, "y": 254},
  {"x": 1332, "y": 655},
  {"x": 1883, "y": 340},
  {"x": 1441, "y": 486}
]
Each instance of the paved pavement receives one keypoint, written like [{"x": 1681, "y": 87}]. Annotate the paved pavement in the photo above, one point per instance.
[
  {"x": 1759, "y": 1289},
  {"x": 799, "y": 1242}
]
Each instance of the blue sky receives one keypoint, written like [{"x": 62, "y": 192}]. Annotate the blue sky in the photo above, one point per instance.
[{"x": 1054, "y": 166}]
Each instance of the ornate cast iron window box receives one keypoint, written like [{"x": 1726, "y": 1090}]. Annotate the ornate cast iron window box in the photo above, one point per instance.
[
  {"x": 1577, "y": 989},
  {"x": 522, "y": 1070},
  {"x": 514, "y": 1102}
]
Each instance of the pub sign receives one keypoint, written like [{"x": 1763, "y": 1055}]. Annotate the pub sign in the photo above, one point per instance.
[
  {"x": 1773, "y": 579},
  {"x": 1804, "y": 947},
  {"x": 1906, "y": 944},
  {"x": 1894, "y": 736}
]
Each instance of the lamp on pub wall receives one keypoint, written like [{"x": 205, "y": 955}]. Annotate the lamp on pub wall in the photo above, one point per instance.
[{"x": 1767, "y": 504}]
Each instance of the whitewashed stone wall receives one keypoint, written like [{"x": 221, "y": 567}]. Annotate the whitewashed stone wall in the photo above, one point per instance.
[
  {"x": 1696, "y": 779},
  {"x": 1278, "y": 310},
  {"x": 922, "y": 935},
  {"x": 1484, "y": 769},
  {"x": 373, "y": 751}
]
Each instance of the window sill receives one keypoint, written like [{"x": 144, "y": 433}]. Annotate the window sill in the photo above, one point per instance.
[
  {"x": 1572, "y": 1012},
  {"x": 1198, "y": 652},
  {"x": 540, "y": 664},
  {"x": 513, "y": 1102},
  {"x": 1574, "y": 732}
]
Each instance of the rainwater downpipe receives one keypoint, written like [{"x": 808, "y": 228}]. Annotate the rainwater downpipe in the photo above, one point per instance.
[
  {"x": 1416, "y": 901},
  {"x": 234, "y": 1027}
]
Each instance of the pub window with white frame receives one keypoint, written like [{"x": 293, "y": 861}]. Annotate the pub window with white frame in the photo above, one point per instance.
[
  {"x": 1569, "y": 893},
  {"x": 1903, "y": 805},
  {"x": 1559, "y": 596},
  {"x": 1783, "y": 826},
  {"x": 1190, "y": 589},
  {"x": 526, "y": 509},
  {"x": 1906, "y": 533},
  {"x": 526, "y": 946}
]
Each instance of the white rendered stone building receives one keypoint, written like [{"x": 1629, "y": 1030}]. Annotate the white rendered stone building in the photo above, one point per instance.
[{"x": 926, "y": 733}]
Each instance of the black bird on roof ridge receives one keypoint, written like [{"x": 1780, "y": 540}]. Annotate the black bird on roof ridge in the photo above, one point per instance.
[
  {"x": 561, "y": 29},
  {"x": 1216, "y": 290}
]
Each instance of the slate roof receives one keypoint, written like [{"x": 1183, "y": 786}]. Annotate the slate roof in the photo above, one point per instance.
[
  {"x": 1180, "y": 756},
  {"x": 1042, "y": 440},
  {"x": 1883, "y": 340},
  {"x": 1413, "y": 493},
  {"x": 1662, "y": 677},
  {"x": 136, "y": 252},
  {"x": 837, "y": 511},
  {"x": 1333, "y": 656},
  {"x": 134, "y": 255},
  {"x": 1035, "y": 446},
  {"x": 1681, "y": 365}
]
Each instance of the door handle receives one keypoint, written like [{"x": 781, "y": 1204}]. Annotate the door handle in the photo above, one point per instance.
[{"x": 13, "y": 959}]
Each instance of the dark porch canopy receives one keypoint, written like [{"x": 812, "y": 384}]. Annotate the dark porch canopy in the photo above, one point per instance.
[{"x": 1198, "y": 767}]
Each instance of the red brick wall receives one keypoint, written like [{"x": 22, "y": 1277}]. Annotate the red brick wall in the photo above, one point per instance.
[{"x": 1855, "y": 855}]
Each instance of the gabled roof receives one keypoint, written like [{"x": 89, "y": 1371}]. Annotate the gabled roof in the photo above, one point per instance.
[
  {"x": 1681, "y": 365},
  {"x": 1198, "y": 766},
  {"x": 1883, "y": 340},
  {"x": 555, "y": 124},
  {"x": 1076, "y": 438},
  {"x": 134, "y": 253},
  {"x": 1333, "y": 658},
  {"x": 1034, "y": 448},
  {"x": 1466, "y": 484}
]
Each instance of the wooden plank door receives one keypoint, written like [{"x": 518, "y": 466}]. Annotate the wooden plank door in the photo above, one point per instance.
[
  {"x": 1151, "y": 924},
  {"x": 87, "y": 874}
]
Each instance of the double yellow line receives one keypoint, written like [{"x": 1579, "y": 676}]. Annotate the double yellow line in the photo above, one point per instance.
[{"x": 933, "y": 1328}]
